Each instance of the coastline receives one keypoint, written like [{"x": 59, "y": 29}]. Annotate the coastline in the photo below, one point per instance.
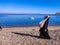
[{"x": 30, "y": 28}]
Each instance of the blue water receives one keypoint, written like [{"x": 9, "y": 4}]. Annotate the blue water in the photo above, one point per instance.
[{"x": 26, "y": 19}]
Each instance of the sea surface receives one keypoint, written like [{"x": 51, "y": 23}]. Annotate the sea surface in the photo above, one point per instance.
[{"x": 27, "y": 19}]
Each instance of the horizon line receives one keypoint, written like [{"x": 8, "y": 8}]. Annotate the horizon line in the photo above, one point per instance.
[{"x": 23, "y": 13}]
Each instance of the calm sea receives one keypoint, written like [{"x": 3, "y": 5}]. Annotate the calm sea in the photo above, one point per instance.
[{"x": 27, "y": 19}]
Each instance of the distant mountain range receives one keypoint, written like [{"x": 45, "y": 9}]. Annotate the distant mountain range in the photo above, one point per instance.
[{"x": 57, "y": 12}]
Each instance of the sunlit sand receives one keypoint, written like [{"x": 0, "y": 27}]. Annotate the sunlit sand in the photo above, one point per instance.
[{"x": 25, "y": 36}]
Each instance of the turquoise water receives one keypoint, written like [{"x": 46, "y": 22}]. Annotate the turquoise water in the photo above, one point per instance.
[{"x": 26, "y": 19}]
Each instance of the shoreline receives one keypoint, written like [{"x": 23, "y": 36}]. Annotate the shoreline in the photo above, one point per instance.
[{"x": 29, "y": 28}]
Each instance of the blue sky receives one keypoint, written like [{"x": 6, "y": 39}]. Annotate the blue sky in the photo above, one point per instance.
[{"x": 30, "y": 6}]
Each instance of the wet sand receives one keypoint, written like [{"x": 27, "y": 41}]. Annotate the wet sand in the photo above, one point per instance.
[{"x": 28, "y": 36}]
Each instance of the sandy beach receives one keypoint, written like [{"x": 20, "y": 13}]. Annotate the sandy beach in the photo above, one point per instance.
[{"x": 28, "y": 36}]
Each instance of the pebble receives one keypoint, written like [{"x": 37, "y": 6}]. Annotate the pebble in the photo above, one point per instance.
[{"x": 15, "y": 39}]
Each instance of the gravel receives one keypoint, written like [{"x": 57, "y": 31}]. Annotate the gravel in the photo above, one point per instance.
[{"x": 29, "y": 38}]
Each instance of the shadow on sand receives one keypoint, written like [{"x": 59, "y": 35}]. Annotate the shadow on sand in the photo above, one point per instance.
[{"x": 22, "y": 34}]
